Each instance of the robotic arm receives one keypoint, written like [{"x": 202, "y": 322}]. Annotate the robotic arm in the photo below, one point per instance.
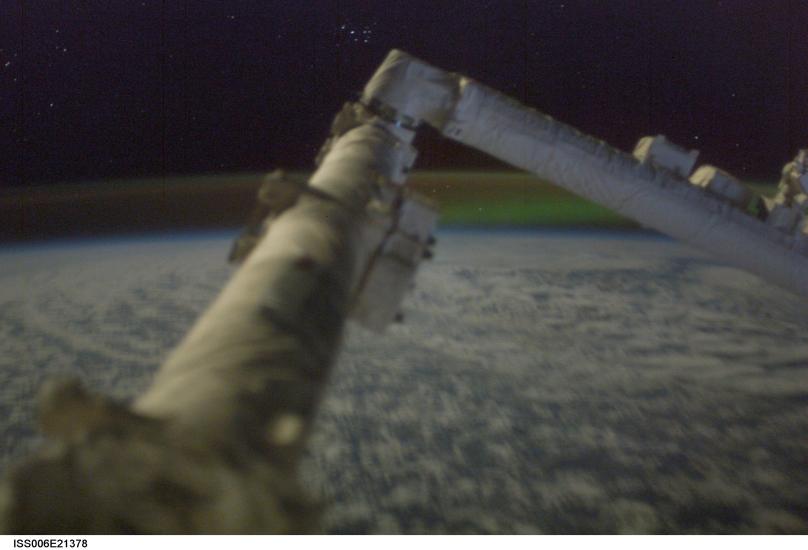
[
  {"x": 213, "y": 445},
  {"x": 655, "y": 186}
]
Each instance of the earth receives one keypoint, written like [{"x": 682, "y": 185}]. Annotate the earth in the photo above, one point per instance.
[{"x": 542, "y": 381}]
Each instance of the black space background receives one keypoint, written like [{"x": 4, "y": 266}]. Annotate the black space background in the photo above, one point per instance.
[{"x": 105, "y": 89}]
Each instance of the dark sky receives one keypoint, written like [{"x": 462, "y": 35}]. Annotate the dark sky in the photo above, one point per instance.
[{"x": 96, "y": 89}]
